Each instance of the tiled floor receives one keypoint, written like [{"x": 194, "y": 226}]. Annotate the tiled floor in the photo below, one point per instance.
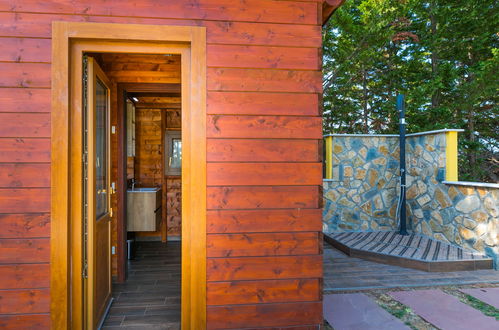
[
  {"x": 150, "y": 299},
  {"x": 344, "y": 273}
]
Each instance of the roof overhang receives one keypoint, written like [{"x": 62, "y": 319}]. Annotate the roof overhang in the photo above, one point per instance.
[{"x": 328, "y": 8}]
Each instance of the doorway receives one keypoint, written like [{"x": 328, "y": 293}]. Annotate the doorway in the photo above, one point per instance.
[
  {"x": 147, "y": 212},
  {"x": 70, "y": 42}
]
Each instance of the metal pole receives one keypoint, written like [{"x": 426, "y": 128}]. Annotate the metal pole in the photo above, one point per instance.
[{"x": 402, "y": 215}]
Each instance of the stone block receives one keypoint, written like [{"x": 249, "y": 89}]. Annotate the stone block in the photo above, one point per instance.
[
  {"x": 421, "y": 187},
  {"x": 348, "y": 171},
  {"x": 442, "y": 198},
  {"x": 440, "y": 237},
  {"x": 435, "y": 226},
  {"x": 469, "y": 204},
  {"x": 466, "y": 190},
  {"x": 378, "y": 203},
  {"x": 346, "y": 226},
  {"x": 381, "y": 184},
  {"x": 491, "y": 206},
  {"x": 360, "y": 174},
  {"x": 425, "y": 228},
  {"x": 345, "y": 202},
  {"x": 372, "y": 176},
  {"x": 383, "y": 150},
  {"x": 469, "y": 223},
  {"x": 380, "y": 161},
  {"x": 438, "y": 218},
  {"x": 332, "y": 195},
  {"x": 423, "y": 200},
  {"x": 358, "y": 161},
  {"x": 412, "y": 192},
  {"x": 466, "y": 234},
  {"x": 479, "y": 216},
  {"x": 337, "y": 149},
  {"x": 367, "y": 207},
  {"x": 418, "y": 213},
  {"x": 450, "y": 232},
  {"x": 363, "y": 152},
  {"x": 480, "y": 229}
]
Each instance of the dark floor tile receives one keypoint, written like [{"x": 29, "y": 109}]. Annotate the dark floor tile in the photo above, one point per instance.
[
  {"x": 148, "y": 320},
  {"x": 113, "y": 320}
]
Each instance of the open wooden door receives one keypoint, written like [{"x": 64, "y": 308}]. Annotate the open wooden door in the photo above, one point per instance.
[{"x": 97, "y": 190}]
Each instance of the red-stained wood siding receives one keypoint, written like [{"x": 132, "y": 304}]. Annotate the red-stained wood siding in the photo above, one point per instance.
[{"x": 264, "y": 264}]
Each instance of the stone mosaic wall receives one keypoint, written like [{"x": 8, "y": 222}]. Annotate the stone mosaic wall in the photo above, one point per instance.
[{"x": 364, "y": 192}]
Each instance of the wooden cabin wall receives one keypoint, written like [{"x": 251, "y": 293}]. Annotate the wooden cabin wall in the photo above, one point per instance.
[{"x": 264, "y": 264}]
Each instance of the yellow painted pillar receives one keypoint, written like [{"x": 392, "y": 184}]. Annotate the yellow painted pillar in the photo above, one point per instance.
[
  {"x": 451, "y": 156},
  {"x": 329, "y": 157}
]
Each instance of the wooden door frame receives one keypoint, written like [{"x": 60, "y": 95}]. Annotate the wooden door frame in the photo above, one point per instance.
[
  {"x": 121, "y": 183},
  {"x": 69, "y": 42}
]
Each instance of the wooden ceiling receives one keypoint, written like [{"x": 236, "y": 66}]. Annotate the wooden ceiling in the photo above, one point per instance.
[
  {"x": 138, "y": 68},
  {"x": 151, "y": 69},
  {"x": 155, "y": 102}
]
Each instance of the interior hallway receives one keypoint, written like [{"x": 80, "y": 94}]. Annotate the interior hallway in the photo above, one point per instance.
[{"x": 150, "y": 298}]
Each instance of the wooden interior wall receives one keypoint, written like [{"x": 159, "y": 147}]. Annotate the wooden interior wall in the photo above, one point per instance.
[
  {"x": 264, "y": 264},
  {"x": 173, "y": 198}
]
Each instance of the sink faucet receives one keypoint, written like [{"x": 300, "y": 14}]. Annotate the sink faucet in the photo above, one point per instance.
[{"x": 133, "y": 183}]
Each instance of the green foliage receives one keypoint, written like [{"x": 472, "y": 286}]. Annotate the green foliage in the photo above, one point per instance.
[{"x": 442, "y": 54}]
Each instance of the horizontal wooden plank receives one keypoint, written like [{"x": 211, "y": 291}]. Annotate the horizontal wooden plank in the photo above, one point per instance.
[
  {"x": 261, "y": 150},
  {"x": 262, "y": 127},
  {"x": 276, "y": 197},
  {"x": 241, "y": 33},
  {"x": 267, "y": 291},
  {"x": 25, "y": 50},
  {"x": 26, "y": 321},
  {"x": 264, "y": 174},
  {"x": 19, "y": 150},
  {"x": 262, "y": 244},
  {"x": 249, "y": 10},
  {"x": 24, "y": 100},
  {"x": 264, "y": 315},
  {"x": 24, "y": 276},
  {"x": 236, "y": 56},
  {"x": 34, "y": 200},
  {"x": 254, "y": 103},
  {"x": 264, "y": 80},
  {"x": 24, "y": 225},
  {"x": 25, "y": 75},
  {"x": 24, "y": 250},
  {"x": 261, "y": 268},
  {"x": 243, "y": 221},
  {"x": 24, "y": 175},
  {"x": 37, "y": 25},
  {"x": 24, "y": 301},
  {"x": 25, "y": 124}
]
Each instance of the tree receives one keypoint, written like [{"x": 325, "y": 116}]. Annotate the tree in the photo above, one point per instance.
[{"x": 442, "y": 54}]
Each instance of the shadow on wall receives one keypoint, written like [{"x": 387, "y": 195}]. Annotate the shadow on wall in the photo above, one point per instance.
[{"x": 363, "y": 192}]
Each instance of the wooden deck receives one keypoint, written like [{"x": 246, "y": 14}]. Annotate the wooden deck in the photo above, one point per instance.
[
  {"x": 413, "y": 251},
  {"x": 344, "y": 273}
]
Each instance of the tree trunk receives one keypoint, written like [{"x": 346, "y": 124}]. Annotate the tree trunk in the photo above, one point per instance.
[
  {"x": 364, "y": 101},
  {"x": 435, "y": 97}
]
